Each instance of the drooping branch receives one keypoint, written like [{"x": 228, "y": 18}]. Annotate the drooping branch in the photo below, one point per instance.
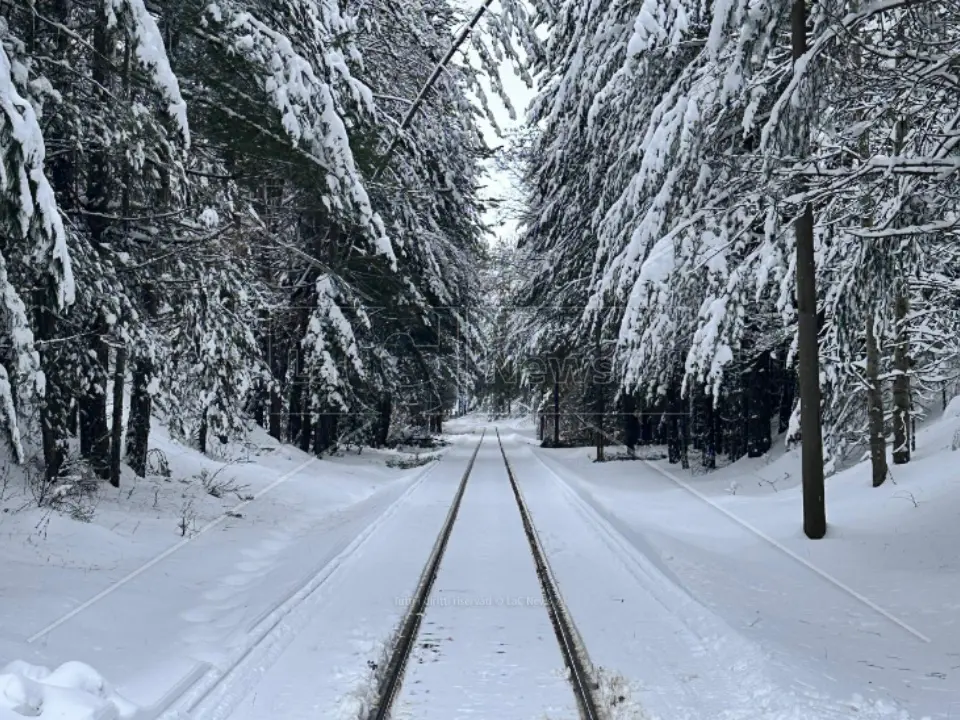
[{"x": 431, "y": 81}]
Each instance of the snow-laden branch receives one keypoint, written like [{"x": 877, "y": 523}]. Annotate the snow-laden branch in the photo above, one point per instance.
[{"x": 152, "y": 55}]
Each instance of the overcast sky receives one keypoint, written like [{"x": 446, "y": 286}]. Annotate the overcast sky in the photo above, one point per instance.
[{"x": 520, "y": 96}]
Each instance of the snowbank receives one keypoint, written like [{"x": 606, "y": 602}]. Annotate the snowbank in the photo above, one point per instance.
[
  {"x": 870, "y": 609},
  {"x": 74, "y": 691}
]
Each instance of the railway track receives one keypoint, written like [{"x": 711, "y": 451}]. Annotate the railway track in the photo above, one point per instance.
[
  {"x": 572, "y": 651},
  {"x": 574, "y": 654},
  {"x": 410, "y": 627}
]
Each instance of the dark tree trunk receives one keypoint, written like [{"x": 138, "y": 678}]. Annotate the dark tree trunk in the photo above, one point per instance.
[
  {"x": 735, "y": 432},
  {"x": 631, "y": 426},
  {"x": 94, "y": 430},
  {"x": 326, "y": 432},
  {"x": 73, "y": 419},
  {"x": 202, "y": 433},
  {"x": 306, "y": 415},
  {"x": 276, "y": 412},
  {"x": 116, "y": 436},
  {"x": 674, "y": 440},
  {"x": 556, "y": 412},
  {"x": 759, "y": 439},
  {"x": 385, "y": 411},
  {"x": 788, "y": 393},
  {"x": 319, "y": 439},
  {"x": 54, "y": 408},
  {"x": 814, "y": 500},
  {"x": 260, "y": 400},
  {"x": 684, "y": 431},
  {"x": 743, "y": 446},
  {"x": 295, "y": 416},
  {"x": 673, "y": 444},
  {"x": 278, "y": 370},
  {"x": 901, "y": 383},
  {"x": 709, "y": 450},
  {"x": 333, "y": 429},
  {"x": 878, "y": 440},
  {"x": 647, "y": 427},
  {"x": 141, "y": 405}
]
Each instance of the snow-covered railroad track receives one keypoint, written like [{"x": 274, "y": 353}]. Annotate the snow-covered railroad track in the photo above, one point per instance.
[
  {"x": 410, "y": 627},
  {"x": 572, "y": 649}
]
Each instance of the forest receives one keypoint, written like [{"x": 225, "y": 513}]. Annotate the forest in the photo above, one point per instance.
[
  {"x": 272, "y": 212},
  {"x": 730, "y": 207},
  {"x": 213, "y": 213}
]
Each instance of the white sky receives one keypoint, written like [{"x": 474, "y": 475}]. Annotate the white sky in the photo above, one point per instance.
[{"x": 499, "y": 185}]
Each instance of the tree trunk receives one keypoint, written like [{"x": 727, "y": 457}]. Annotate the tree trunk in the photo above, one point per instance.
[
  {"x": 260, "y": 400},
  {"x": 53, "y": 406},
  {"x": 116, "y": 436},
  {"x": 385, "y": 409},
  {"x": 295, "y": 408},
  {"x": 276, "y": 411},
  {"x": 278, "y": 369},
  {"x": 326, "y": 427},
  {"x": 709, "y": 450},
  {"x": 674, "y": 431},
  {"x": 684, "y": 442},
  {"x": 901, "y": 383},
  {"x": 673, "y": 441},
  {"x": 878, "y": 441},
  {"x": 73, "y": 419},
  {"x": 556, "y": 412},
  {"x": 788, "y": 393},
  {"x": 138, "y": 426},
  {"x": 94, "y": 430},
  {"x": 202, "y": 433},
  {"x": 808, "y": 350},
  {"x": 306, "y": 414},
  {"x": 631, "y": 426},
  {"x": 319, "y": 439},
  {"x": 759, "y": 440}
]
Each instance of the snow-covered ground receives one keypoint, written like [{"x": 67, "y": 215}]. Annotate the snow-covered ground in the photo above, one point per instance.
[
  {"x": 487, "y": 648},
  {"x": 696, "y": 594},
  {"x": 869, "y": 612},
  {"x": 327, "y": 668},
  {"x": 164, "y": 582}
]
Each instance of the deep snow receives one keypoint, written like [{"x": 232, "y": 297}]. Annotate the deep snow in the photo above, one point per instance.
[
  {"x": 696, "y": 593},
  {"x": 179, "y": 579},
  {"x": 867, "y": 616}
]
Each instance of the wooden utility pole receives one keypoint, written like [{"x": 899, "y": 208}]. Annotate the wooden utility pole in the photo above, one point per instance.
[{"x": 808, "y": 350}]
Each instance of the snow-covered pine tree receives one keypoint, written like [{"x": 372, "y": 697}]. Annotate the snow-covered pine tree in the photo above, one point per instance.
[{"x": 32, "y": 228}]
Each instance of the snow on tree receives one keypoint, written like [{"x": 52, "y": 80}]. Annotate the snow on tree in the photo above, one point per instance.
[{"x": 32, "y": 226}]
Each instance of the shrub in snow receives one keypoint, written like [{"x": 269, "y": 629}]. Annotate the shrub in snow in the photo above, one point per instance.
[{"x": 74, "y": 691}]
